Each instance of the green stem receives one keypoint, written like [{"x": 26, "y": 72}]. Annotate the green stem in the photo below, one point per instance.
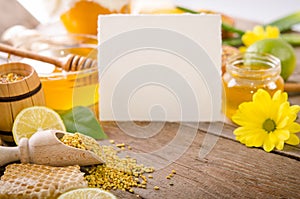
[
  {"x": 187, "y": 10},
  {"x": 230, "y": 28},
  {"x": 285, "y": 23},
  {"x": 291, "y": 38},
  {"x": 232, "y": 41},
  {"x": 225, "y": 26}
]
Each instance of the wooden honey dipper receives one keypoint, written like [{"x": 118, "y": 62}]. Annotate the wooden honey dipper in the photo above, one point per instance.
[{"x": 69, "y": 63}]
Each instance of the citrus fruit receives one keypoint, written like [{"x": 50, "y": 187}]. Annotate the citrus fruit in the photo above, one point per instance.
[
  {"x": 33, "y": 119},
  {"x": 87, "y": 193},
  {"x": 83, "y": 16},
  {"x": 280, "y": 49}
]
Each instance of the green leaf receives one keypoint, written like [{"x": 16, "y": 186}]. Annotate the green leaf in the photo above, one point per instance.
[
  {"x": 285, "y": 23},
  {"x": 233, "y": 41},
  {"x": 187, "y": 10},
  {"x": 230, "y": 28},
  {"x": 291, "y": 38},
  {"x": 81, "y": 119},
  {"x": 225, "y": 26}
]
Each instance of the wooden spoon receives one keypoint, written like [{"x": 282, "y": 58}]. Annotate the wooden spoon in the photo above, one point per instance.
[
  {"x": 292, "y": 87},
  {"x": 45, "y": 148},
  {"x": 69, "y": 63}
]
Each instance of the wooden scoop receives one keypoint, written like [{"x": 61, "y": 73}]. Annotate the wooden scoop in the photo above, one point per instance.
[
  {"x": 69, "y": 63},
  {"x": 45, "y": 148}
]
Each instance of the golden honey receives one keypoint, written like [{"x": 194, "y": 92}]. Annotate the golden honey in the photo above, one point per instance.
[
  {"x": 64, "y": 90},
  {"x": 245, "y": 74}
]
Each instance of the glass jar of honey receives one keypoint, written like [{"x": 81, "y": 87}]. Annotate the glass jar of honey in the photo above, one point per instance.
[
  {"x": 64, "y": 90},
  {"x": 245, "y": 74}
]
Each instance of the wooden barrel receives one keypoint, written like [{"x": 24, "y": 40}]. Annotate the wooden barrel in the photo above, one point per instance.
[{"x": 17, "y": 95}]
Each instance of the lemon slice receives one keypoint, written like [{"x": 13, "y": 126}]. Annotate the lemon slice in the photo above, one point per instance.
[
  {"x": 87, "y": 193},
  {"x": 33, "y": 119}
]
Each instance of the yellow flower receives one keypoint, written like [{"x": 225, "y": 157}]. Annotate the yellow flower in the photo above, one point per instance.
[
  {"x": 267, "y": 121},
  {"x": 260, "y": 33}
]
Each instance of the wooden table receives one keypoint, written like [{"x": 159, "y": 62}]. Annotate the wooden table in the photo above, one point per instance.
[{"x": 229, "y": 170}]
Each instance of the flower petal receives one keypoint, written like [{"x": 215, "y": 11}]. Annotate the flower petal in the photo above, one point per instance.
[
  {"x": 240, "y": 131},
  {"x": 280, "y": 97},
  {"x": 282, "y": 115},
  {"x": 274, "y": 138},
  {"x": 282, "y": 134},
  {"x": 258, "y": 30},
  {"x": 280, "y": 145},
  {"x": 294, "y": 127},
  {"x": 272, "y": 32},
  {"x": 247, "y": 116},
  {"x": 295, "y": 109},
  {"x": 249, "y": 38},
  {"x": 261, "y": 96},
  {"x": 259, "y": 139},
  {"x": 241, "y": 139},
  {"x": 262, "y": 101},
  {"x": 268, "y": 145},
  {"x": 283, "y": 123},
  {"x": 293, "y": 140},
  {"x": 250, "y": 141}
]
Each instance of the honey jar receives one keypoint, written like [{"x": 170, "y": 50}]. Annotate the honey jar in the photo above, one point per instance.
[
  {"x": 64, "y": 90},
  {"x": 245, "y": 74}
]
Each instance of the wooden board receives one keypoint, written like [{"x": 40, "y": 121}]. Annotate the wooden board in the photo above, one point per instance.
[{"x": 230, "y": 170}]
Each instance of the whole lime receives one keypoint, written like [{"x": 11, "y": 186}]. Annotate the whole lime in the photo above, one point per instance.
[{"x": 280, "y": 49}]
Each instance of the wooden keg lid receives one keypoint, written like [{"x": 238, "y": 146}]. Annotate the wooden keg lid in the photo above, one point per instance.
[{"x": 17, "y": 79}]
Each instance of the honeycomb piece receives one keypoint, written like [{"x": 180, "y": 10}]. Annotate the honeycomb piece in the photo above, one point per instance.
[{"x": 39, "y": 181}]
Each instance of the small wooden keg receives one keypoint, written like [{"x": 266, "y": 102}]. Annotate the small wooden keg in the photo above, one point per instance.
[{"x": 17, "y": 94}]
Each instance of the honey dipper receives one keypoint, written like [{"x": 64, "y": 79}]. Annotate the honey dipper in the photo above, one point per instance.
[
  {"x": 45, "y": 148},
  {"x": 69, "y": 63}
]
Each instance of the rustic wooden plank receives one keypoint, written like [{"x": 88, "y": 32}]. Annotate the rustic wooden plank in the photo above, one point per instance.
[
  {"x": 230, "y": 170},
  {"x": 227, "y": 132}
]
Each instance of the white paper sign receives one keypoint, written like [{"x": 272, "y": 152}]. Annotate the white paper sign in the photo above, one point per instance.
[{"x": 160, "y": 67}]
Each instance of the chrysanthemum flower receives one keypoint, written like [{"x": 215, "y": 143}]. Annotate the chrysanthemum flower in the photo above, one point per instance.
[
  {"x": 267, "y": 121},
  {"x": 259, "y": 33}
]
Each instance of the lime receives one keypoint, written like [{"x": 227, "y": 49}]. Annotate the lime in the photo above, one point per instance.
[
  {"x": 87, "y": 193},
  {"x": 280, "y": 49},
  {"x": 33, "y": 119}
]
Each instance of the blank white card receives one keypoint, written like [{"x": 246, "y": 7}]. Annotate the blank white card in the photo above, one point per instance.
[{"x": 160, "y": 67}]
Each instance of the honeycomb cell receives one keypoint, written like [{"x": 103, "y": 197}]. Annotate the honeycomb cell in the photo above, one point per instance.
[{"x": 34, "y": 185}]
